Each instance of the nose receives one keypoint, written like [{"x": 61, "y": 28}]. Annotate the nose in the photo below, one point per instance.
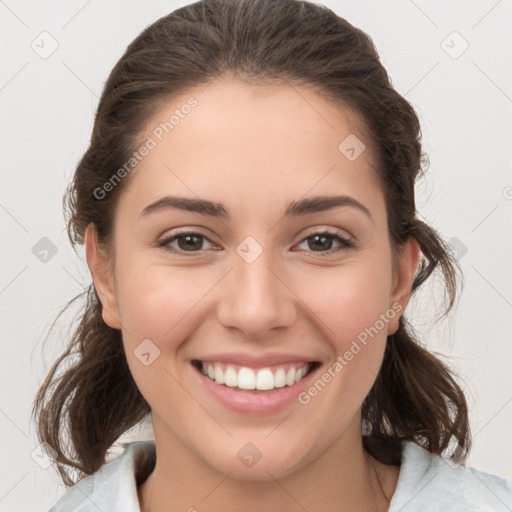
[{"x": 256, "y": 298}]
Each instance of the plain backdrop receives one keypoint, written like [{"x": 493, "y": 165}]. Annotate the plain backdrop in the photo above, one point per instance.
[{"x": 451, "y": 60}]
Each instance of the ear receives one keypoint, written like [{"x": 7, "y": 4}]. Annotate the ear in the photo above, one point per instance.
[
  {"x": 99, "y": 265},
  {"x": 407, "y": 264}
]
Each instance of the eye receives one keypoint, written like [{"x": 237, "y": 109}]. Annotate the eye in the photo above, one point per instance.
[
  {"x": 187, "y": 241},
  {"x": 321, "y": 242}
]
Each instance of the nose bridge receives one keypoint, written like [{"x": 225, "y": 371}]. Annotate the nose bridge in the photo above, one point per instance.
[{"x": 256, "y": 298}]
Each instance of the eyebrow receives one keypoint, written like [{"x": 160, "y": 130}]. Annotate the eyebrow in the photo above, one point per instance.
[{"x": 305, "y": 206}]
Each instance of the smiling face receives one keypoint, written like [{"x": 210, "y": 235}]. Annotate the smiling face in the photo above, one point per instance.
[{"x": 262, "y": 288}]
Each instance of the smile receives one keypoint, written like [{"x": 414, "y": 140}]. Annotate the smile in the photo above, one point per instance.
[
  {"x": 262, "y": 379},
  {"x": 255, "y": 387}
]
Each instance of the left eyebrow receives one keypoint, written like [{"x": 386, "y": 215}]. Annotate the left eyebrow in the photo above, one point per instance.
[
  {"x": 323, "y": 203},
  {"x": 305, "y": 206}
]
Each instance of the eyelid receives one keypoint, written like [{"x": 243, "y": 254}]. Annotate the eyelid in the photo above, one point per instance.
[
  {"x": 328, "y": 230},
  {"x": 346, "y": 243},
  {"x": 185, "y": 231},
  {"x": 167, "y": 239}
]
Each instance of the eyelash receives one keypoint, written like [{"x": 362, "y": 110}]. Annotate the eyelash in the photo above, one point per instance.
[{"x": 346, "y": 245}]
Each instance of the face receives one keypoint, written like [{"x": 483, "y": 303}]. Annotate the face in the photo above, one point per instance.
[{"x": 296, "y": 301}]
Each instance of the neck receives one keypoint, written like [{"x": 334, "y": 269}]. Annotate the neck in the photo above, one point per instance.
[{"x": 344, "y": 474}]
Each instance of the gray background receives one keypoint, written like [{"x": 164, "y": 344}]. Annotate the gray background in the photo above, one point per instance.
[{"x": 463, "y": 98}]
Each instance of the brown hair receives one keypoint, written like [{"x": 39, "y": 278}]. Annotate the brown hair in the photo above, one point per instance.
[{"x": 95, "y": 397}]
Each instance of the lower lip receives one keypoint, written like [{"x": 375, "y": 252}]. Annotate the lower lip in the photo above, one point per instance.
[{"x": 252, "y": 401}]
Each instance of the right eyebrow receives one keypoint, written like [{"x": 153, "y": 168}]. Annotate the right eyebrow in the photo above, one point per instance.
[{"x": 201, "y": 206}]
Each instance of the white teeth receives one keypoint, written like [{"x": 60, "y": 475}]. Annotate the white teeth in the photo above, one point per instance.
[
  {"x": 230, "y": 377},
  {"x": 290, "y": 377},
  {"x": 218, "y": 375},
  {"x": 247, "y": 379},
  {"x": 279, "y": 378},
  {"x": 263, "y": 379}
]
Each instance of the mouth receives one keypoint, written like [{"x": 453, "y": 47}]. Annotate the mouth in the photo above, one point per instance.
[{"x": 269, "y": 379}]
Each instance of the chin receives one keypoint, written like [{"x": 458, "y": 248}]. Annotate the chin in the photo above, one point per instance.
[{"x": 258, "y": 460}]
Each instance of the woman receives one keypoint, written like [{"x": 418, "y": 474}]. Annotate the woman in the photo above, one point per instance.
[{"x": 247, "y": 208}]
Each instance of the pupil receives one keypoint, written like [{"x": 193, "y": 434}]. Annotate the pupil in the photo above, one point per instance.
[
  {"x": 323, "y": 238},
  {"x": 186, "y": 246}
]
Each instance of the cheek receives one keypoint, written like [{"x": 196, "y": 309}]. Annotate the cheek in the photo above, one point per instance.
[
  {"x": 349, "y": 299},
  {"x": 352, "y": 303},
  {"x": 154, "y": 299},
  {"x": 157, "y": 306}
]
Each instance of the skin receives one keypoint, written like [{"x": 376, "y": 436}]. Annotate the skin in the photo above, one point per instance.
[{"x": 254, "y": 149}]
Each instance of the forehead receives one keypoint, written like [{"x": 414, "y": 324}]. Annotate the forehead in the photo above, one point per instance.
[{"x": 253, "y": 145}]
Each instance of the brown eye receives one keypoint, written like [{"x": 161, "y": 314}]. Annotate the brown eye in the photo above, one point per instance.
[
  {"x": 189, "y": 242},
  {"x": 186, "y": 242},
  {"x": 322, "y": 242}
]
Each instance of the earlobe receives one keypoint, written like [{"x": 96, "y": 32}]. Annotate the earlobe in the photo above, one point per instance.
[
  {"x": 98, "y": 263},
  {"x": 408, "y": 261}
]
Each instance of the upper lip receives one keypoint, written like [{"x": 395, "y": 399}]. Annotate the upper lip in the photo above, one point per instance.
[{"x": 255, "y": 361}]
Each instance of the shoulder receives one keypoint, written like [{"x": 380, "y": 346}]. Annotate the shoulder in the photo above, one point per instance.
[
  {"x": 114, "y": 486},
  {"x": 428, "y": 483}
]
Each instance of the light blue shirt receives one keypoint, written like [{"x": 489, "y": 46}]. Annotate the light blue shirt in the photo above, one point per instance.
[{"x": 426, "y": 483}]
